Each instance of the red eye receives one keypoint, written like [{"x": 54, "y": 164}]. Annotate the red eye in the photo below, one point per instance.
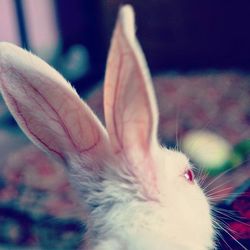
[{"x": 189, "y": 175}]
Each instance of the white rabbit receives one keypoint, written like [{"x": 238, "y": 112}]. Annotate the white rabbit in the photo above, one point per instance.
[{"x": 138, "y": 195}]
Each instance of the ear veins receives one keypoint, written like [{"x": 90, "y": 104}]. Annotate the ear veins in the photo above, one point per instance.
[
  {"x": 114, "y": 106},
  {"x": 117, "y": 85},
  {"x": 25, "y": 123},
  {"x": 145, "y": 77},
  {"x": 144, "y": 144},
  {"x": 146, "y": 139},
  {"x": 59, "y": 120}
]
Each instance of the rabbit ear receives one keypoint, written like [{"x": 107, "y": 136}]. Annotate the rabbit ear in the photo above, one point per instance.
[
  {"x": 46, "y": 107},
  {"x": 130, "y": 107}
]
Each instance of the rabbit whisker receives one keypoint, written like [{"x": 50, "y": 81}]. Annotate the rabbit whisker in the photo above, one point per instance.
[
  {"x": 217, "y": 192},
  {"x": 216, "y": 188},
  {"x": 226, "y": 231},
  {"x": 218, "y": 177},
  {"x": 230, "y": 217}
]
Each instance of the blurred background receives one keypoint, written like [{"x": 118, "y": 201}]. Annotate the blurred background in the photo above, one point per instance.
[
  {"x": 199, "y": 56},
  {"x": 75, "y": 36}
]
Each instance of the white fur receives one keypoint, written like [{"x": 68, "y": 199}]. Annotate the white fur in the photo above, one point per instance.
[
  {"x": 180, "y": 220},
  {"x": 137, "y": 196}
]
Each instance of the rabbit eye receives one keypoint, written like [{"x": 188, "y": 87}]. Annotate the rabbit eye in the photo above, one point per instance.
[{"x": 189, "y": 175}]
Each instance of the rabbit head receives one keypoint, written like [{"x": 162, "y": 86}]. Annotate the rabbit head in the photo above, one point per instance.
[{"x": 138, "y": 194}]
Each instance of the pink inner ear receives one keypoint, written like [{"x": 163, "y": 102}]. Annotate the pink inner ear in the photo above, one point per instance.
[
  {"x": 26, "y": 122},
  {"x": 47, "y": 109},
  {"x": 55, "y": 121},
  {"x": 130, "y": 108}
]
